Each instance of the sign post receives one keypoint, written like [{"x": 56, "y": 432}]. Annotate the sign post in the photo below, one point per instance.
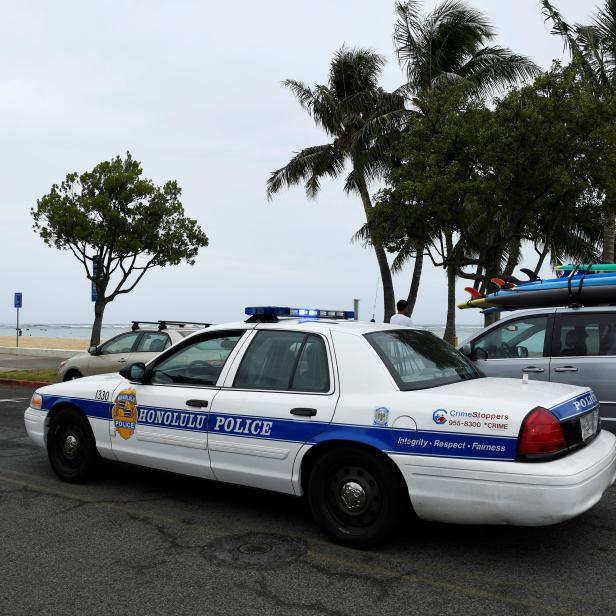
[{"x": 17, "y": 303}]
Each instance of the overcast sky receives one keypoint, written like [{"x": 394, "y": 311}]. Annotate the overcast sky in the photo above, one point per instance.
[{"x": 192, "y": 89}]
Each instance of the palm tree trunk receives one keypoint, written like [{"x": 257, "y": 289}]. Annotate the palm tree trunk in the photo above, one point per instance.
[
  {"x": 608, "y": 242},
  {"x": 450, "y": 326},
  {"x": 381, "y": 257},
  {"x": 412, "y": 298}
]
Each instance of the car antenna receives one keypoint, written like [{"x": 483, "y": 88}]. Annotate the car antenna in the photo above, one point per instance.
[{"x": 376, "y": 293}]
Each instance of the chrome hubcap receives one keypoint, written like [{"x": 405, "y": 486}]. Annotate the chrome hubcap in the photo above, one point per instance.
[
  {"x": 353, "y": 496},
  {"x": 70, "y": 445}
]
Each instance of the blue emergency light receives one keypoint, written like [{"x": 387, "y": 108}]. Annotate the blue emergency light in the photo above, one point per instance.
[{"x": 306, "y": 313}]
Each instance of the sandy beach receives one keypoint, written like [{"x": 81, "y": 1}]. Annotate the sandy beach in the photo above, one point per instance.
[{"x": 40, "y": 342}]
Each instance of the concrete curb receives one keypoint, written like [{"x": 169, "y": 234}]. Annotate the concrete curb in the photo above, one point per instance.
[
  {"x": 59, "y": 353},
  {"x": 23, "y": 383}
]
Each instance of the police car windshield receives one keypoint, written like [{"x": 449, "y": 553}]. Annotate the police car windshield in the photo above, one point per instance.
[{"x": 418, "y": 359}]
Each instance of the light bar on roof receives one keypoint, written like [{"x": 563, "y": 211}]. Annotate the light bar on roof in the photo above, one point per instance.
[{"x": 302, "y": 313}]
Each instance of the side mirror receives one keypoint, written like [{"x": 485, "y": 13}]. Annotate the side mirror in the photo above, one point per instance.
[
  {"x": 134, "y": 372},
  {"x": 93, "y": 350},
  {"x": 467, "y": 349}
]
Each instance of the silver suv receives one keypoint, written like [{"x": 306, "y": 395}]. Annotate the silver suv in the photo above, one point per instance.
[
  {"x": 563, "y": 345},
  {"x": 141, "y": 344}
]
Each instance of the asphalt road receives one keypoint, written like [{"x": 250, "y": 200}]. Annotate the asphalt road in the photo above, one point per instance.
[{"x": 144, "y": 542}]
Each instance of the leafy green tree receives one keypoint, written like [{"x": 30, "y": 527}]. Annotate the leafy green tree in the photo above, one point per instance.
[
  {"x": 594, "y": 47},
  {"x": 471, "y": 183},
  {"x": 450, "y": 49},
  {"x": 118, "y": 225},
  {"x": 345, "y": 108}
]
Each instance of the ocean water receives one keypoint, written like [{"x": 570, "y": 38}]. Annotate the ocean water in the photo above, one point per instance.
[
  {"x": 62, "y": 330},
  {"x": 82, "y": 330}
]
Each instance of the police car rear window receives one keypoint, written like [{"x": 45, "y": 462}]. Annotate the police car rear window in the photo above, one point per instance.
[{"x": 418, "y": 359}]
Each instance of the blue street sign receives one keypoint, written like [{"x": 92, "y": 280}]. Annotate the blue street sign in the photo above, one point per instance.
[
  {"x": 18, "y": 300},
  {"x": 94, "y": 274}
]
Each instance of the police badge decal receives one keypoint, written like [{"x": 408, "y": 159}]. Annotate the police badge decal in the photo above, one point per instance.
[
  {"x": 124, "y": 413},
  {"x": 381, "y": 416}
]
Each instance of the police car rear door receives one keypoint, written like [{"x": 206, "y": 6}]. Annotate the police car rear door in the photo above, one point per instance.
[
  {"x": 279, "y": 394},
  {"x": 163, "y": 423}
]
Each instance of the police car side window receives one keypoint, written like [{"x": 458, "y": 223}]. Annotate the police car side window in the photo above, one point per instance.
[
  {"x": 199, "y": 363},
  {"x": 287, "y": 361}
]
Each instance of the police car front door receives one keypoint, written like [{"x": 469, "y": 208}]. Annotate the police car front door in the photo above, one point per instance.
[
  {"x": 277, "y": 396},
  {"x": 163, "y": 423}
]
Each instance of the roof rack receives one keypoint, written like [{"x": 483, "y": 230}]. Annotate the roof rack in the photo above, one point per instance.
[
  {"x": 136, "y": 324},
  {"x": 163, "y": 324}
]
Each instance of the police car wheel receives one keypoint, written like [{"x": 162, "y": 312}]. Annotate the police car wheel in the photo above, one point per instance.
[
  {"x": 71, "y": 447},
  {"x": 355, "y": 497}
]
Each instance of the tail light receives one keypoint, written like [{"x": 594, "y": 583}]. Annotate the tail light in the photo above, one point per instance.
[{"x": 541, "y": 434}]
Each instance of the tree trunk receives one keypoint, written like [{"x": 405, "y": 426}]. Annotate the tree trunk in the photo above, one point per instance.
[
  {"x": 412, "y": 298},
  {"x": 513, "y": 259},
  {"x": 381, "y": 257},
  {"x": 542, "y": 256},
  {"x": 450, "y": 326},
  {"x": 489, "y": 319},
  {"x": 99, "y": 309},
  {"x": 608, "y": 242}
]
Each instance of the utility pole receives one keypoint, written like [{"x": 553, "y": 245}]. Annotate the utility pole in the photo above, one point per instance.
[{"x": 356, "y": 309}]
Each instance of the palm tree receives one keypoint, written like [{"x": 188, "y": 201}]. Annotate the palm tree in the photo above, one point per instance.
[
  {"x": 594, "y": 46},
  {"x": 449, "y": 48},
  {"x": 350, "y": 102}
]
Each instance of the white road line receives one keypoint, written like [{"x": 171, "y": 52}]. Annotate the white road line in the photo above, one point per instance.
[{"x": 12, "y": 400}]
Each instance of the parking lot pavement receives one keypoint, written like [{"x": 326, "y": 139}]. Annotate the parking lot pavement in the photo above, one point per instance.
[
  {"x": 138, "y": 541},
  {"x": 27, "y": 362}
]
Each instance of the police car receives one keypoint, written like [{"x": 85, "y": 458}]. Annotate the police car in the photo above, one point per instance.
[{"x": 371, "y": 422}]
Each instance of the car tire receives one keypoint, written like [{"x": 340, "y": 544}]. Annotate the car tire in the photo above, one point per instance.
[
  {"x": 356, "y": 497},
  {"x": 72, "y": 375},
  {"x": 71, "y": 447}
]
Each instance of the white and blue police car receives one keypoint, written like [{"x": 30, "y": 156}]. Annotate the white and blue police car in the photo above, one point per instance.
[{"x": 371, "y": 422}]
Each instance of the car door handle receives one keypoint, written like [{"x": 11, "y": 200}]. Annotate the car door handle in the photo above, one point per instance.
[
  {"x": 304, "y": 412},
  {"x": 121, "y": 361},
  {"x": 566, "y": 369},
  {"x": 197, "y": 403},
  {"x": 533, "y": 369}
]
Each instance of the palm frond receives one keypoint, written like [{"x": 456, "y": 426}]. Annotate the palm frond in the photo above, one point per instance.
[
  {"x": 407, "y": 252},
  {"x": 589, "y": 41},
  {"x": 605, "y": 24},
  {"x": 379, "y": 131},
  {"x": 406, "y": 30},
  {"x": 302, "y": 92},
  {"x": 362, "y": 236},
  {"x": 495, "y": 68},
  {"x": 307, "y": 166},
  {"x": 354, "y": 70},
  {"x": 560, "y": 27}
]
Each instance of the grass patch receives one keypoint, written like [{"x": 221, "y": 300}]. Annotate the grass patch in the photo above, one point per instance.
[{"x": 47, "y": 376}]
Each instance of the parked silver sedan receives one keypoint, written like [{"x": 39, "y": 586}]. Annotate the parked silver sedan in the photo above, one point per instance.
[
  {"x": 563, "y": 345},
  {"x": 141, "y": 344}
]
